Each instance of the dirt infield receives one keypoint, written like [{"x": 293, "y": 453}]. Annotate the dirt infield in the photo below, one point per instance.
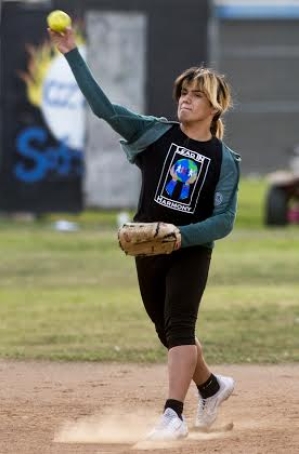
[{"x": 68, "y": 408}]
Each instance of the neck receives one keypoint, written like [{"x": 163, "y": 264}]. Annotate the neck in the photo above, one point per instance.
[{"x": 196, "y": 132}]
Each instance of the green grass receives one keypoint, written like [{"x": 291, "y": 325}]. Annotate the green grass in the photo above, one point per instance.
[
  {"x": 74, "y": 296},
  {"x": 251, "y": 199}
]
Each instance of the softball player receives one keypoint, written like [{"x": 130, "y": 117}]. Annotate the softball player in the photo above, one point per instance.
[{"x": 190, "y": 179}]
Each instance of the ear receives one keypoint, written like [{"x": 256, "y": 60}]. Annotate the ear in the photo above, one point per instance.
[
  {"x": 214, "y": 111},
  {"x": 217, "y": 115}
]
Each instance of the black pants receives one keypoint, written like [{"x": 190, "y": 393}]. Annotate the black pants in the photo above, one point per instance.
[{"x": 171, "y": 288}]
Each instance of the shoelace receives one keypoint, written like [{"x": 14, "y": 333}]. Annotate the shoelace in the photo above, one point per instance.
[
  {"x": 208, "y": 406},
  {"x": 165, "y": 420}
]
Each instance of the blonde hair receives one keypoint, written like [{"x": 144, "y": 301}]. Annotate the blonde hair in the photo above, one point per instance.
[{"x": 216, "y": 89}]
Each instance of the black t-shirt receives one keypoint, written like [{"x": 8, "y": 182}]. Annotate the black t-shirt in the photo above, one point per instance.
[{"x": 179, "y": 177}]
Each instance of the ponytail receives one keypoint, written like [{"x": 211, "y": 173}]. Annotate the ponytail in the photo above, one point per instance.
[{"x": 217, "y": 127}]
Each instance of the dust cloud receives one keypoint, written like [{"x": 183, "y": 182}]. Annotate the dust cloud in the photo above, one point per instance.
[{"x": 106, "y": 428}]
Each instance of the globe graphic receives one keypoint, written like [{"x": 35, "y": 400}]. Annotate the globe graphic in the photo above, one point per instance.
[{"x": 185, "y": 169}]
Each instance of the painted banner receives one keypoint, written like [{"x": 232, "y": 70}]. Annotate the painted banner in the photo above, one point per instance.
[{"x": 42, "y": 117}]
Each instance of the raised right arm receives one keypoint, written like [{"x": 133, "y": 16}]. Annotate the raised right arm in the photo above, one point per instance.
[{"x": 128, "y": 124}]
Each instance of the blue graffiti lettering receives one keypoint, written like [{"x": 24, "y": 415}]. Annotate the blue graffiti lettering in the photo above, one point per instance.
[
  {"x": 27, "y": 149},
  {"x": 31, "y": 144},
  {"x": 62, "y": 95}
]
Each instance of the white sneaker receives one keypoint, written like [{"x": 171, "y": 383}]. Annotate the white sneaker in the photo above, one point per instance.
[
  {"x": 170, "y": 427},
  {"x": 207, "y": 409}
]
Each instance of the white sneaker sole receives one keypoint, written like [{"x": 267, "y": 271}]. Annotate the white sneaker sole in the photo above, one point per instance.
[{"x": 166, "y": 439}]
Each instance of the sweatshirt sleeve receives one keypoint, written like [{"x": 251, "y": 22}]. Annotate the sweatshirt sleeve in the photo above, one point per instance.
[
  {"x": 221, "y": 223},
  {"x": 126, "y": 123}
]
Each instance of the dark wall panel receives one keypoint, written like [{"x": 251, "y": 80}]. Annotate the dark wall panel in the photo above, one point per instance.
[{"x": 261, "y": 61}]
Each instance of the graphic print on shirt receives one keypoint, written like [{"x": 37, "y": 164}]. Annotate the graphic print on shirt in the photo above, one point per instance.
[{"x": 182, "y": 178}]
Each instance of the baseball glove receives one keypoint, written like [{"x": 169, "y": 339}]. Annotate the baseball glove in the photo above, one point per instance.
[{"x": 148, "y": 238}]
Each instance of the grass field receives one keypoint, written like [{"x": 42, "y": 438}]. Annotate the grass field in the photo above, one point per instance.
[{"x": 74, "y": 296}]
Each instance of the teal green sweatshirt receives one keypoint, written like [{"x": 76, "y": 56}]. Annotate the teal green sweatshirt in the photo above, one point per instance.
[{"x": 139, "y": 131}]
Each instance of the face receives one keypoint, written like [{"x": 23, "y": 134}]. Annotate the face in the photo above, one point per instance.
[{"x": 193, "y": 105}]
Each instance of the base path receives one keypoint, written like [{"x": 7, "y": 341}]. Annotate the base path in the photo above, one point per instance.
[{"x": 84, "y": 408}]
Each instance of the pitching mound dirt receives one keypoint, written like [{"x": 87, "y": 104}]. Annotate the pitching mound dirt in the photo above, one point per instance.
[{"x": 84, "y": 408}]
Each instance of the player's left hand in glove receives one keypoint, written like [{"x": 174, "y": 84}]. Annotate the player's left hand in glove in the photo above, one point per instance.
[{"x": 149, "y": 238}]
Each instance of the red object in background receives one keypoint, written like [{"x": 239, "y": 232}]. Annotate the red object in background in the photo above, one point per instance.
[{"x": 293, "y": 215}]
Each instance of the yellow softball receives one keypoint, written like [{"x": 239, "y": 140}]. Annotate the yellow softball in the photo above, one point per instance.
[{"x": 58, "y": 21}]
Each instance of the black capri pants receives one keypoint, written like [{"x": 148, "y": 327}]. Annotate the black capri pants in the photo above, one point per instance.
[{"x": 171, "y": 288}]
